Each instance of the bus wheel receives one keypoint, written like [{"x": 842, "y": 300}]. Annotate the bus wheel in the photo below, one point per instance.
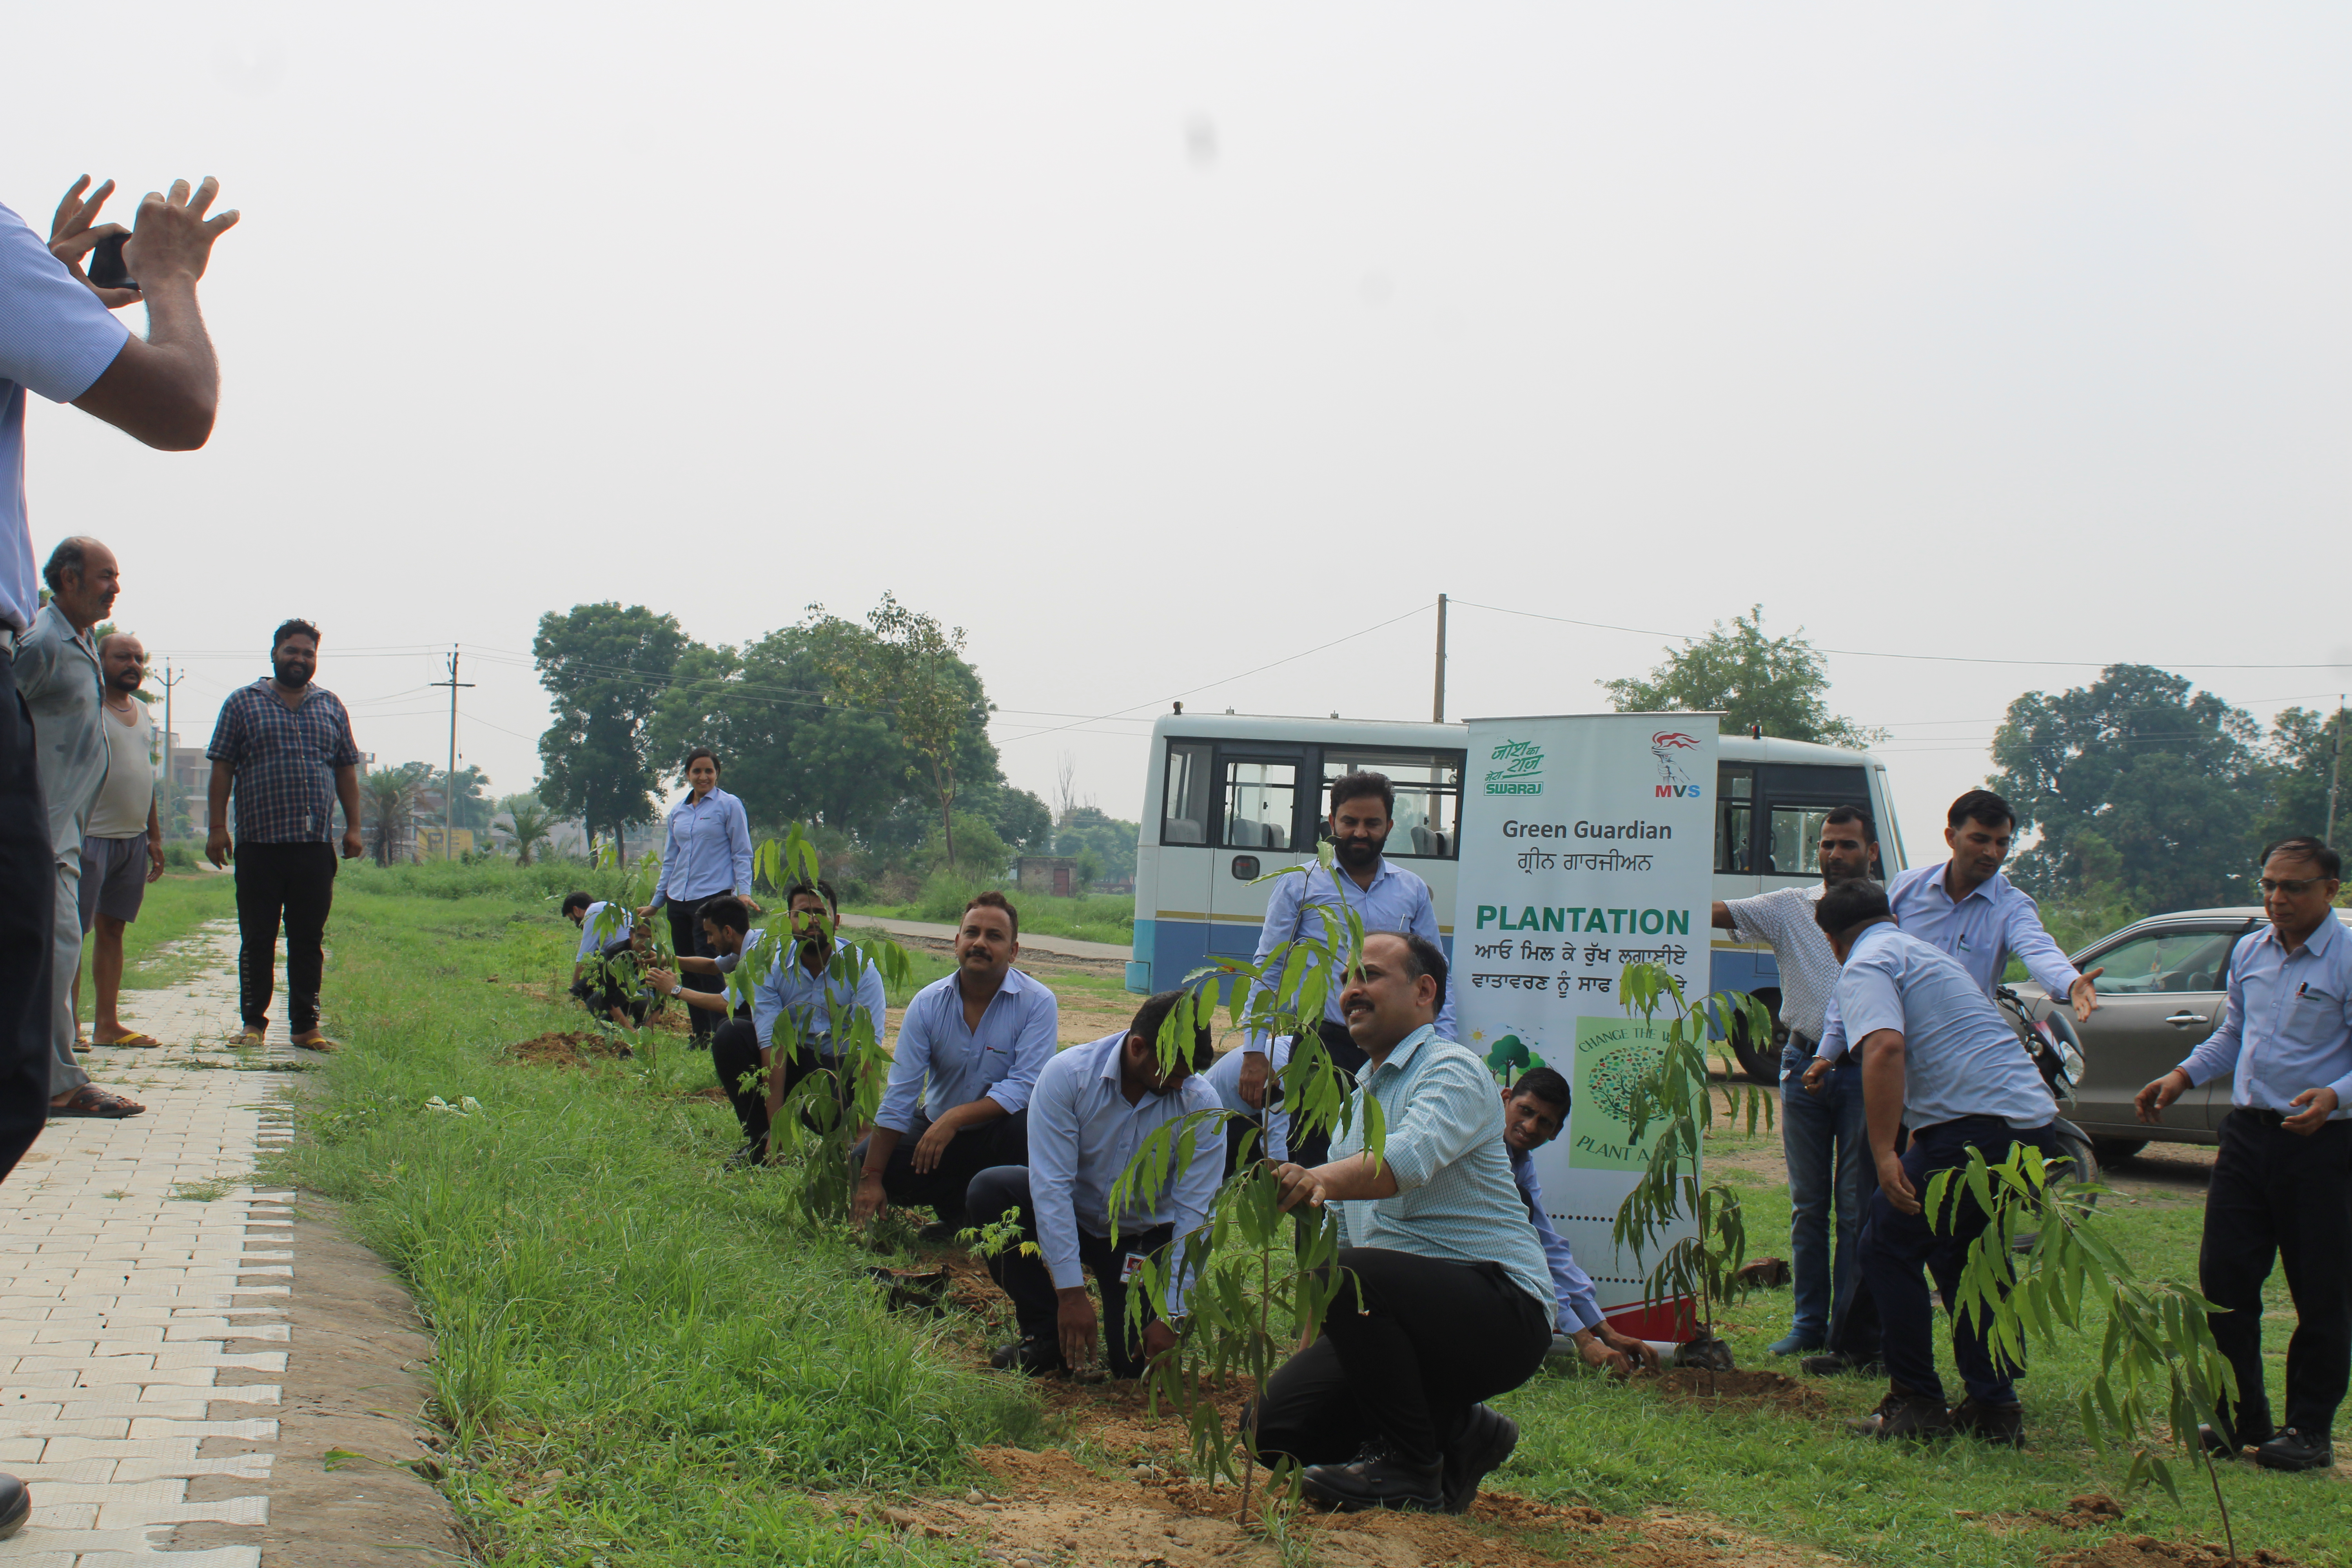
[{"x": 1761, "y": 1061}]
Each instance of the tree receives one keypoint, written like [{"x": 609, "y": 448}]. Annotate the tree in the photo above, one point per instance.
[
  {"x": 2141, "y": 791},
  {"x": 531, "y": 825},
  {"x": 473, "y": 807},
  {"x": 904, "y": 663},
  {"x": 2301, "y": 754},
  {"x": 1778, "y": 684},
  {"x": 1088, "y": 830},
  {"x": 607, "y": 667},
  {"x": 388, "y": 806}
]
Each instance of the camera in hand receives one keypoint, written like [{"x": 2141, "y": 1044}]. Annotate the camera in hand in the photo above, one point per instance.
[{"x": 105, "y": 268}]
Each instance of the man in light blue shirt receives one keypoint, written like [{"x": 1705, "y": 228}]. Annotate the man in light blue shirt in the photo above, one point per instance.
[
  {"x": 970, "y": 1047},
  {"x": 1939, "y": 1060},
  {"x": 599, "y": 978},
  {"x": 2282, "y": 1184},
  {"x": 1535, "y": 1107},
  {"x": 1225, "y": 1078},
  {"x": 1979, "y": 917},
  {"x": 1093, "y": 1108},
  {"x": 1447, "y": 1300},
  {"x": 1387, "y": 897}
]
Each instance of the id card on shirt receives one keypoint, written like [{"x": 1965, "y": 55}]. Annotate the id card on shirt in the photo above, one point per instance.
[{"x": 1131, "y": 1267}]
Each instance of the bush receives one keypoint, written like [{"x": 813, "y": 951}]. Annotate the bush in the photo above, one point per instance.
[{"x": 180, "y": 854}]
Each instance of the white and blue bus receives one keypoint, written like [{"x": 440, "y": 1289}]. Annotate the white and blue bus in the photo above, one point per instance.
[{"x": 1229, "y": 797}]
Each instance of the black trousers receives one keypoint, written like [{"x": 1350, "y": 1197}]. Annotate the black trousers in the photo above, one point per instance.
[
  {"x": 1003, "y": 1142},
  {"x": 292, "y": 884},
  {"x": 1432, "y": 1339},
  {"x": 1896, "y": 1247},
  {"x": 1312, "y": 1149},
  {"x": 28, "y": 894},
  {"x": 735, "y": 1054},
  {"x": 1025, "y": 1280},
  {"x": 2278, "y": 1195},
  {"x": 686, "y": 937}
]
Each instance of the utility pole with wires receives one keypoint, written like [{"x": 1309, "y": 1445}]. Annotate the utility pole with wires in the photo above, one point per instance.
[
  {"x": 1437, "y": 703},
  {"x": 171, "y": 780},
  {"x": 449, "y": 781}
]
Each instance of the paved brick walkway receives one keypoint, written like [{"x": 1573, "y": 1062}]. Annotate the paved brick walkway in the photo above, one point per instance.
[{"x": 127, "y": 1287}]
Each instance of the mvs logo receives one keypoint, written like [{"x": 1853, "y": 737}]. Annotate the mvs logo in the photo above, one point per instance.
[{"x": 1672, "y": 781}]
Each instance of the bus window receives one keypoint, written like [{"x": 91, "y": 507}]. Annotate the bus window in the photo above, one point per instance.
[
  {"x": 1259, "y": 799},
  {"x": 1796, "y": 847},
  {"x": 1428, "y": 818},
  {"x": 1184, "y": 818},
  {"x": 1735, "y": 791}
]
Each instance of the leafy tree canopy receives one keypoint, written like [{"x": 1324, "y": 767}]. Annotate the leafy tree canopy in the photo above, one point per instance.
[
  {"x": 607, "y": 669},
  {"x": 1086, "y": 829},
  {"x": 2141, "y": 791},
  {"x": 1777, "y": 683}
]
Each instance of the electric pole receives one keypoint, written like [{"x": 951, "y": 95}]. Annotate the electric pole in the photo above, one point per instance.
[
  {"x": 1437, "y": 703},
  {"x": 2336, "y": 778},
  {"x": 171, "y": 780},
  {"x": 449, "y": 782}
]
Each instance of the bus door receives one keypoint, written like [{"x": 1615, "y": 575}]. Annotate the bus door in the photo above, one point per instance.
[
  {"x": 1259, "y": 830},
  {"x": 1180, "y": 881}
]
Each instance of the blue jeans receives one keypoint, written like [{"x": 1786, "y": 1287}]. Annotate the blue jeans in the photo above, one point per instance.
[
  {"x": 1828, "y": 1149},
  {"x": 1896, "y": 1247}
]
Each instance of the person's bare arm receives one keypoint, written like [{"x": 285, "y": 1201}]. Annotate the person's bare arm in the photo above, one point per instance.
[
  {"x": 880, "y": 1144},
  {"x": 1722, "y": 919},
  {"x": 154, "y": 843},
  {"x": 347, "y": 789},
  {"x": 164, "y": 389},
  {"x": 1356, "y": 1176},
  {"x": 217, "y": 845}
]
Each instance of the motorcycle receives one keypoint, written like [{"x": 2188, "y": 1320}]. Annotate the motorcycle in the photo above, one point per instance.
[{"x": 2056, "y": 1052}]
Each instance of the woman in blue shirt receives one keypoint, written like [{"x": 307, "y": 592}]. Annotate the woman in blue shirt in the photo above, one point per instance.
[{"x": 706, "y": 853}]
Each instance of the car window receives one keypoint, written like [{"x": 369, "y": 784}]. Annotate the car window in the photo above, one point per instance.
[{"x": 2166, "y": 961}]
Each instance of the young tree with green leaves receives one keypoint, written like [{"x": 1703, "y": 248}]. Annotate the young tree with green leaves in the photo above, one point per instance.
[{"x": 1777, "y": 684}]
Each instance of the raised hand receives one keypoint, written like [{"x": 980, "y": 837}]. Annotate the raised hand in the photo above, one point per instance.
[
  {"x": 72, "y": 237},
  {"x": 171, "y": 237}
]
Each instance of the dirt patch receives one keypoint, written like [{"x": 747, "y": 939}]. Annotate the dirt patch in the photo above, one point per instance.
[
  {"x": 566, "y": 1048},
  {"x": 2147, "y": 1551},
  {"x": 1747, "y": 1388}
]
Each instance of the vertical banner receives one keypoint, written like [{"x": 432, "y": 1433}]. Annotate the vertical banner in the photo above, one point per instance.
[{"x": 1588, "y": 843}]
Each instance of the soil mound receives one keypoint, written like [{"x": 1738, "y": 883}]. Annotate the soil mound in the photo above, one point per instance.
[
  {"x": 566, "y": 1048},
  {"x": 1751, "y": 1388},
  {"x": 2147, "y": 1551}
]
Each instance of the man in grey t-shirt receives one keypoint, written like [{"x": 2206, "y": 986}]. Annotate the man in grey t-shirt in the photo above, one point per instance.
[{"x": 1821, "y": 1123}]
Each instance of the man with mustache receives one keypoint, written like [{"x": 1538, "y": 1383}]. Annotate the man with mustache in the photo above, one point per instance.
[
  {"x": 122, "y": 849},
  {"x": 969, "y": 1049},
  {"x": 58, "y": 674},
  {"x": 1388, "y": 898},
  {"x": 287, "y": 746},
  {"x": 1821, "y": 1119}
]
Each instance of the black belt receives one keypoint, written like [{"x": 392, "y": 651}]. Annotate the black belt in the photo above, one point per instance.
[{"x": 2266, "y": 1117}]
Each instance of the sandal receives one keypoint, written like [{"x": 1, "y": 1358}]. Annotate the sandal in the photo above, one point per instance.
[
  {"x": 82, "y": 1043},
  {"x": 140, "y": 1042},
  {"x": 245, "y": 1038},
  {"x": 92, "y": 1100},
  {"x": 315, "y": 1041}
]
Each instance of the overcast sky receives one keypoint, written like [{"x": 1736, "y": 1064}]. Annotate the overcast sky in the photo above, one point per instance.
[{"x": 1152, "y": 346}]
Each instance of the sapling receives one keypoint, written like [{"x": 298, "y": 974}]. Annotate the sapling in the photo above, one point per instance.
[
  {"x": 2156, "y": 1359},
  {"x": 1705, "y": 1266}
]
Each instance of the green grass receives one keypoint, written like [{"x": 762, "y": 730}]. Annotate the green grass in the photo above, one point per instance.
[
  {"x": 1094, "y": 917},
  {"x": 1801, "y": 1478},
  {"x": 607, "y": 1303}
]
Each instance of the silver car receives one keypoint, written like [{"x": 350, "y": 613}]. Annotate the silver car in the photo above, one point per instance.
[{"x": 2166, "y": 986}]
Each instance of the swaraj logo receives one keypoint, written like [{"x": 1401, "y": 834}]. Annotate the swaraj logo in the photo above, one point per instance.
[
  {"x": 1672, "y": 781},
  {"x": 1518, "y": 765}
]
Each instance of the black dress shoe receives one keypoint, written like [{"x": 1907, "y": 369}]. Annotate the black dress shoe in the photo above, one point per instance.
[
  {"x": 2215, "y": 1444},
  {"x": 15, "y": 1506},
  {"x": 1376, "y": 1481},
  {"x": 1487, "y": 1439},
  {"x": 1837, "y": 1363},
  {"x": 2001, "y": 1424},
  {"x": 755, "y": 1153},
  {"x": 2294, "y": 1450},
  {"x": 1905, "y": 1415},
  {"x": 1034, "y": 1358}
]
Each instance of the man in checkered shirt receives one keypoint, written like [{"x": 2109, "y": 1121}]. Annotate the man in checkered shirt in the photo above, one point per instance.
[{"x": 285, "y": 747}]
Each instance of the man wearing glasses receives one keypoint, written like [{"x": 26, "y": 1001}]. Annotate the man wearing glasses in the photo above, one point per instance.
[{"x": 2282, "y": 1184}]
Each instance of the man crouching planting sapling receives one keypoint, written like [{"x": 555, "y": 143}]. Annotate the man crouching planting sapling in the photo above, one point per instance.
[{"x": 1442, "y": 1297}]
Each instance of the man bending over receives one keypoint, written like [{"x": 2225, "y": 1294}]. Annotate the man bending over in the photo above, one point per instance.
[
  {"x": 1447, "y": 1301},
  {"x": 1534, "y": 1109},
  {"x": 1093, "y": 1106}
]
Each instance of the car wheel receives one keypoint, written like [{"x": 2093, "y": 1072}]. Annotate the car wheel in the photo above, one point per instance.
[
  {"x": 2111, "y": 1149},
  {"x": 1761, "y": 1064}
]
